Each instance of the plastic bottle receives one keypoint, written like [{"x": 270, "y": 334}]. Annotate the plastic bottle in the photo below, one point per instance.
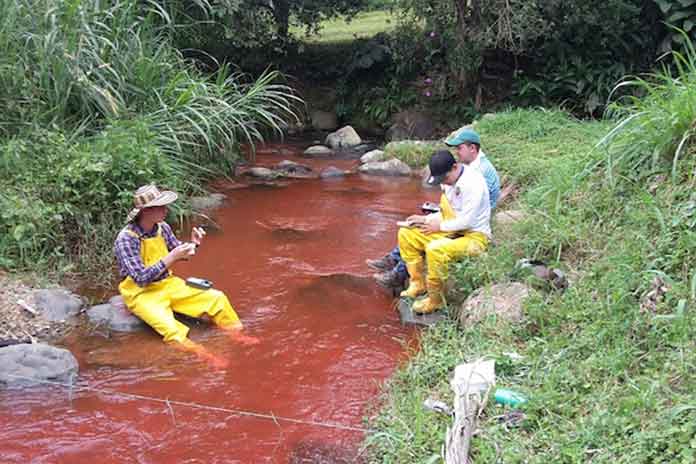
[{"x": 509, "y": 397}]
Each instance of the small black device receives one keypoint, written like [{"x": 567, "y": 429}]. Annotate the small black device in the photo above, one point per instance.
[
  {"x": 196, "y": 282},
  {"x": 429, "y": 208}
]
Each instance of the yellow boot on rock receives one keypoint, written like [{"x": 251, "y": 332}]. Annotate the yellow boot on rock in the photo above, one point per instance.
[
  {"x": 433, "y": 301},
  {"x": 416, "y": 285}
]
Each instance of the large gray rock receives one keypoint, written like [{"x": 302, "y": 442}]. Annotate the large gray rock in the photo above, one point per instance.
[
  {"x": 318, "y": 150},
  {"x": 372, "y": 156},
  {"x": 263, "y": 173},
  {"x": 291, "y": 166},
  {"x": 344, "y": 137},
  {"x": 115, "y": 316},
  {"x": 207, "y": 203},
  {"x": 392, "y": 167},
  {"x": 323, "y": 120},
  {"x": 32, "y": 363},
  {"x": 57, "y": 304},
  {"x": 503, "y": 300},
  {"x": 294, "y": 170}
]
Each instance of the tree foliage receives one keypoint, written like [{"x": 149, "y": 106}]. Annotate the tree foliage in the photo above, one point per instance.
[
  {"x": 245, "y": 24},
  {"x": 556, "y": 49}
]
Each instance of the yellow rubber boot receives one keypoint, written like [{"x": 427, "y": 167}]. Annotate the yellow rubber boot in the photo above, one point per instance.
[
  {"x": 433, "y": 301},
  {"x": 416, "y": 285}
]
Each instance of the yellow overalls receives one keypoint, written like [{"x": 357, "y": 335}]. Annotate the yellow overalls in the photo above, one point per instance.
[
  {"x": 156, "y": 302},
  {"x": 439, "y": 248}
]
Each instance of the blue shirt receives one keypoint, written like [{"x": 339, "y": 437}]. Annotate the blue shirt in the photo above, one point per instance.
[{"x": 491, "y": 176}]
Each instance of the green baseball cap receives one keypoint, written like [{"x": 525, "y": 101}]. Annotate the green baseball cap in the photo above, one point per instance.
[{"x": 463, "y": 135}]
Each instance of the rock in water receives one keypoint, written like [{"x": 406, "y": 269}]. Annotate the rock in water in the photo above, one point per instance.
[
  {"x": 115, "y": 316},
  {"x": 343, "y": 138},
  {"x": 32, "y": 363},
  {"x": 372, "y": 156},
  {"x": 318, "y": 150},
  {"x": 207, "y": 203},
  {"x": 392, "y": 167}
]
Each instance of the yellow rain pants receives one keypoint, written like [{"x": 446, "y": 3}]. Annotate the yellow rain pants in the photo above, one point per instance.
[
  {"x": 439, "y": 247},
  {"x": 156, "y": 302}
]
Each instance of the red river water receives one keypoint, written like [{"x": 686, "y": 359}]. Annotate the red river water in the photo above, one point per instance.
[{"x": 291, "y": 258}]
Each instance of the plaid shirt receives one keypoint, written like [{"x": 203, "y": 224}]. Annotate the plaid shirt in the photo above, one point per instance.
[{"x": 127, "y": 251}]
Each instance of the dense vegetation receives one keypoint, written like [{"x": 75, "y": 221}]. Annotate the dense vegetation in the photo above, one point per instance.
[
  {"x": 608, "y": 364},
  {"x": 486, "y": 55},
  {"x": 96, "y": 101}
]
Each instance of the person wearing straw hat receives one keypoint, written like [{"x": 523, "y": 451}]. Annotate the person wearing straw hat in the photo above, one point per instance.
[
  {"x": 145, "y": 249},
  {"x": 461, "y": 228}
]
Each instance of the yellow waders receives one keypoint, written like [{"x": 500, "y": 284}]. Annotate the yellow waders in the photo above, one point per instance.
[
  {"x": 156, "y": 303},
  {"x": 439, "y": 248}
]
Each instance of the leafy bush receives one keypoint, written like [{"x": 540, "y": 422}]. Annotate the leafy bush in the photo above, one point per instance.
[{"x": 46, "y": 211}]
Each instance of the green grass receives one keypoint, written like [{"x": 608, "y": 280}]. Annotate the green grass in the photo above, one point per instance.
[
  {"x": 362, "y": 26},
  {"x": 609, "y": 379}
]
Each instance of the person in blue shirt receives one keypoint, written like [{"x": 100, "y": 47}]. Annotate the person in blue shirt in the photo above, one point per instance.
[{"x": 392, "y": 273}]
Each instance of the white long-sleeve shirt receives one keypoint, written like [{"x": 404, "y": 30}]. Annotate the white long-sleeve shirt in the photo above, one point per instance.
[{"x": 469, "y": 199}]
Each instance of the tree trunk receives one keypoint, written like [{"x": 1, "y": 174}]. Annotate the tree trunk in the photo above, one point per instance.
[
  {"x": 281, "y": 14},
  {"x": 468, "y": 23}
]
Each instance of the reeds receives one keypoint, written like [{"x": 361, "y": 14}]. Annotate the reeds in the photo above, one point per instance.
[{"x": 91, "y": 60}]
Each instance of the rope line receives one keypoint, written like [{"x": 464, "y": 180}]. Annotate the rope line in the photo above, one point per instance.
[{"x": 192, "y": 405}]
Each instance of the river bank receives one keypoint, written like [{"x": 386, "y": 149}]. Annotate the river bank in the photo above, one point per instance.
[{"x": 606, "y": 364}]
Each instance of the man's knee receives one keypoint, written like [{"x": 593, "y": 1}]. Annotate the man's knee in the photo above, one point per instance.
[{"x": 437, "y": 248}]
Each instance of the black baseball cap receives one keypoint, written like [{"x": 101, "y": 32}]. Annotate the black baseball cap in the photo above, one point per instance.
[{"x": 440, "y": 164}]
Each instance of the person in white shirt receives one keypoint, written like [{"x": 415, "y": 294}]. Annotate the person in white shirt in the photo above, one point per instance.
[{"x": 461, "y": 228}]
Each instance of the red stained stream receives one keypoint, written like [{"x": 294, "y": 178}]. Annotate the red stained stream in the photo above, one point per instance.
[{"x": 292, "y": 261}]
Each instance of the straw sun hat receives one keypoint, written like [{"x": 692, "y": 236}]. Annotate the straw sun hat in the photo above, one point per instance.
[{"x": 148, "y": 196}]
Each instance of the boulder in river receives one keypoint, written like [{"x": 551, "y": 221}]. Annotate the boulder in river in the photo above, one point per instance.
[
  {"x": 345, "y": 137},
  {"x": 57, "y": 304},
  {"x": 392, "y": 167},
  {"x": 29, "y": 364},
  {"x": 207, "y": 203},
  {"x": 115, "y": 316},
  {"x": 372, "y": 156},
  {"x": 294, "y": 170},
  {"x": 263, "y": 173},
  {"x": 318, "y": 151}
]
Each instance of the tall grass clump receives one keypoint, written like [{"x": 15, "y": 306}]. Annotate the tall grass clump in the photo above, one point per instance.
[
  {"x": 657, "y": 120},
  {"x": 96, "y": 101}
]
